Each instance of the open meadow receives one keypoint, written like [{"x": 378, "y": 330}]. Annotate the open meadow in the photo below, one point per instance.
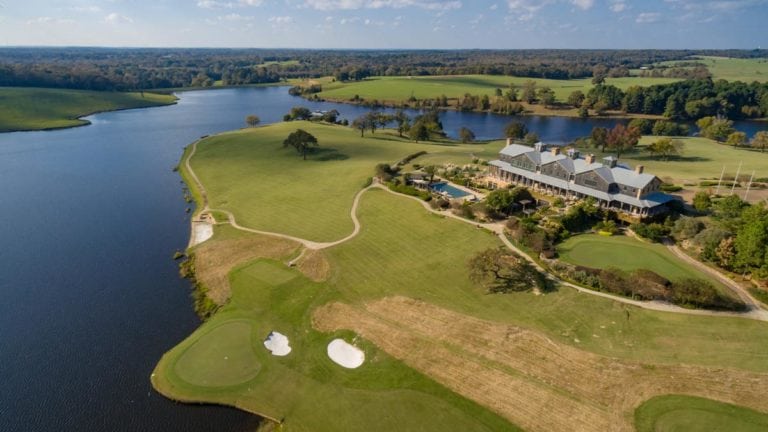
[
  {"x": 37, "y": 108},
  {"x": 441, "y": 353},
  {"x": 730, "y": 69},
  {"x": 400, "y": 89}
]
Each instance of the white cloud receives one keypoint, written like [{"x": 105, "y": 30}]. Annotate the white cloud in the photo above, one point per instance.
[
  {"x": 648, "y": 17},
  {"x": 583, "y": 4},
  {"x": 436, "y": 5},
  {"x": 281, "y": 20},
  {"x": 525, "y": 10},
  {"x": 115, "y": 18},
  {"x": 494, "y": 6},
  {"x": 49, "y": 20},
  {"x": 217, "y": 4},
  {"x": 618, "y": 6}
]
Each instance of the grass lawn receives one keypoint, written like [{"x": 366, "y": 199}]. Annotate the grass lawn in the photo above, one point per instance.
[
  {"x": 399, "y": 89},
  {"x": 269, "y": 187},
  {"x": 702, "y": 158},
  {"x": 686, "y": 413},
  {"x": 731, "y": 69},
  {"x": 38, "y": 108},
  {"x": 401, "y": 250},
  {"x": 625, "y": 253}
]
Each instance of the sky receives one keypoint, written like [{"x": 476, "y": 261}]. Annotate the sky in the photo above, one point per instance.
[{"x": 381, "y": 24}]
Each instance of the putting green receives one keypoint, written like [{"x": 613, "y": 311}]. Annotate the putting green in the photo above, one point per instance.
[
  {"x": 686, "y": 413},
  {"x": 220, "y": 358}
]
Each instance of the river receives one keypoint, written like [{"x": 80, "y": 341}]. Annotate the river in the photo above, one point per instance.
[{"x": 91, "y": 298}]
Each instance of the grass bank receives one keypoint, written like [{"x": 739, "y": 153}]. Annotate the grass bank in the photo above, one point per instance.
[
  {"x": 685, "y": 413},
  {"x": 26, "y": 109}
]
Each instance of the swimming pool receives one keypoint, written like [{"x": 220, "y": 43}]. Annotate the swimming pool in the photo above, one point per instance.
[{"x": 449, "y": 190}]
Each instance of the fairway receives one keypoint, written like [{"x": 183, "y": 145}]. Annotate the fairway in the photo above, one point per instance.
[
  {"x": 687, "y": 413},
  {"x": 268, "y": 187},
  {"x": 625, "y": 253},
  {"x": 400, "y": 89},
  {"x": 37, "y": 108},
  {"x": 701, "y": 158}
]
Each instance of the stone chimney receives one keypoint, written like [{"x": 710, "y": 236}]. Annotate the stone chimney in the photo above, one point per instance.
[
  {"x": 639, "y": 169},
  {"x": 590, "y": 159},
  {"x": 573, "y": 153},
  {"x": 540, "y": 147},
  {"x": 509, "y": 141},
  {"x": 555, "y": 151}
]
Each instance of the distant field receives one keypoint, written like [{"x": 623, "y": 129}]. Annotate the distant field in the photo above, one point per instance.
[
  {"x": 402, "y": 88},
  {"x": 627, "y": 253},
  {"x": 702, "y": 158},
  {"x": 731, "y": 69},
  {"x": 36, "y": 108},
  {"x": 687, "y": 413}
]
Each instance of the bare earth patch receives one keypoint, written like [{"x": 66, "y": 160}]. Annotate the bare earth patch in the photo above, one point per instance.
[
  {"x": 216, "y": 258},
  {"x": 536, "y": 383},
  {"x": 314, "y": 265}
]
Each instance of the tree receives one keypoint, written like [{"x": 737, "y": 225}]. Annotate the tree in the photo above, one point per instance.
[
  {"x": 515, "y": 130},
  {"x": 599, "y": 73},
  {"x": 546, "y": 96},
  {"x": 330, "y": 116},
  {"x": 715, "y": 128},
  {"x": 702, "y": 202},
  {"x": 665, "y": 147},
  {"x": 531, "y": 138},
  {"x": 529, "y": 91},
  {"x": 360, "y": 124},
  {"x": 252, "y": 120},
  {"x": 736, "y": 139},
  {"x": 502, "y": 271},
  {"x": 599, "y": 138},
  {"x": 431, "y": 171},
  {"x": 576, "y": 98},
  {"x": 622, "y": 138},
  {"x": 760, "y": 141},
  {"x": 500, "y": 201},
  {"x": 403, "y": 122},
  {"x": 302, "y": 141},
  {"x": 419, "y": 132},
  {"x": 300, "y": 113},
  {"x": 466, "y": 135}
]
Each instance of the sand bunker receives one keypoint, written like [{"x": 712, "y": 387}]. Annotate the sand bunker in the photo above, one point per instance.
[
  {"x": 201, "y": 231},
  {"x": 345, "y": 355},
  {"x": 277, "y": 344}
]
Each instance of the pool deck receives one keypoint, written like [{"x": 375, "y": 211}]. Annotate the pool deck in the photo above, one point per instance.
[{"x": 471, "y": 194}]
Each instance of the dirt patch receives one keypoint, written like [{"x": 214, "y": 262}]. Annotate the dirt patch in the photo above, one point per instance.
[
  {"x": 536, "y": 383},
  {"x": 216, "y": 258},
  {"x": 314, "y": 265}
]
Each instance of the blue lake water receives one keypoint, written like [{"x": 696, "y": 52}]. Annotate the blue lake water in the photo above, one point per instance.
[{"x": 90, "y": 296}]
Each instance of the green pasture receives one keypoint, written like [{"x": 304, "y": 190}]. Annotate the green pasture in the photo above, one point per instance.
[
  {"x": 24, "y": 108},
  {"x": 271, "y": 188},
  {"x": 701, "y": 158},
  {"x": 686, "y": 413},
  {"x": 454, "y": 86},
  {"x": 730, "y": 69}
]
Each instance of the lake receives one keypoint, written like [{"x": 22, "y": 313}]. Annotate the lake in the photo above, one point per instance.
[{"x": 91, "y": 217}]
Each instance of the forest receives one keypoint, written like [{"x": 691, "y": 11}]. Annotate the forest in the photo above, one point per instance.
[{"x": 142, "y": 68}]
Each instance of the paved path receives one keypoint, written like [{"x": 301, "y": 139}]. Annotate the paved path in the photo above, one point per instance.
[{"x": 498, "y": 228}]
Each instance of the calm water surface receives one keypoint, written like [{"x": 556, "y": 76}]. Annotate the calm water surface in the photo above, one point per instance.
[{"x": 90, "y": 296}]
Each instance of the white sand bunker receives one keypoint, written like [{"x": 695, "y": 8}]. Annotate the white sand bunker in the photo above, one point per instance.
[
  {"x": 345, "y": 355},
  {"x": 201, "y": 231},
  {"x": 277, "y": 344}
]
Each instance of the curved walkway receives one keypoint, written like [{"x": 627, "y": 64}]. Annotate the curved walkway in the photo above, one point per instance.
[{"x": 498, "y": 228}]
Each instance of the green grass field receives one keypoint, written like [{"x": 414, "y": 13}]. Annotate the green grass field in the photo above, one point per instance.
[
  {"x": 402, "y": 88},
  {"x": 686, "y": 413},
  {"x": 731, "y": 69},
  {"x": 271, "y": 188},
  {"x": 625, "y": 253},
  {"x": 38, "y": 108},
  {"x": 702, "y": 158},
  {"x": 401, "y": 249}
]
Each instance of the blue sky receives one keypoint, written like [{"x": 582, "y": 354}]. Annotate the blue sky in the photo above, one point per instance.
[{"x": 387, "y": 23}]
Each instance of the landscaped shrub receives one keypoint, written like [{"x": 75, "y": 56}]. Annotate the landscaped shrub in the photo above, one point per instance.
[
  {"x": 409, "y": 190},
  {"x": 654, "y": 232},
  {"x": 666, "y": 187},
  {"x": 411, "y": 157},
  {"x": 699, "y": 293},
  {"x": 606, "y": 227}
]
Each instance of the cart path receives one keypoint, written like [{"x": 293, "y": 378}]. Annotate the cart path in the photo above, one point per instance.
[{"x": 497, "y": 228}]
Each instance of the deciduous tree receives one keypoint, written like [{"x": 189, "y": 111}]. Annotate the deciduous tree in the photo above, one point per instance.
[
  {"x": 252, "y": 120},
  {"x": 302, "y": 141},
  {"x": 501, "y": 271}
]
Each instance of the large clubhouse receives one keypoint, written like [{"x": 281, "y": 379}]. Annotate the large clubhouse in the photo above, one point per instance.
[{"x": 613, "y": 185}]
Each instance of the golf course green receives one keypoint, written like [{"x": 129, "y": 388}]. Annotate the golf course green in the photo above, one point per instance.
[
  {"x": 24, "y": 108},
  {"x": 400, "y": 250},
  {"x": 685, "y": 413}
]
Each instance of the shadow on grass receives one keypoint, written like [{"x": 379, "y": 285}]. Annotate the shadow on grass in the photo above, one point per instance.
[{"x": 326, "y": 154}]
